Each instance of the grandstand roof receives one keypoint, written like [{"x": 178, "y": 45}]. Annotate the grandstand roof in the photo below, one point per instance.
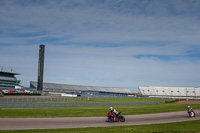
[
  {"x": 9, "y": 73},
  {"x": 68, "y": 87}
]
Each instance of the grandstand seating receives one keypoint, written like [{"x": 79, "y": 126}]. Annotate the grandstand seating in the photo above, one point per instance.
[
  {"x": 79, "y": 88},
  {"x": 8, "y": 80},
  {"x": 170, "y": 91}
]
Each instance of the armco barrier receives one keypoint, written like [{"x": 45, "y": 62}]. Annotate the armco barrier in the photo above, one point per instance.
[
  {"x": 61, "y": 105},
  {"x": 40, "y": 99},
  {"x": 161, "y": 102}
]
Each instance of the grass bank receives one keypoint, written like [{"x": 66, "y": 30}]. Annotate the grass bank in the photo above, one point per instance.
[
  {"x": 188, "y": 126},
  {"x": 93, "y": 111}
]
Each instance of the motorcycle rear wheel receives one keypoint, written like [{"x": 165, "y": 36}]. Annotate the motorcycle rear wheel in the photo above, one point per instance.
[{"x": 110, "y": 119}]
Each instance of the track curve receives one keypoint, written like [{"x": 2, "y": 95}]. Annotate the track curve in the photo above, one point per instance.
[{"x": 77, "y": 122}]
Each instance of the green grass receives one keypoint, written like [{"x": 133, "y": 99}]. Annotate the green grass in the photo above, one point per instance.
[
  {"x": 180, "y": 127},
  {"x": 94, "y": 111},
  {"x": 189, "y": 126}
]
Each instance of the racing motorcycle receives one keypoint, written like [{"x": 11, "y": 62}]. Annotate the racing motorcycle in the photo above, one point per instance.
[
  {"x": 191, "y": 113},
  {"x": 119, "y": 118}
]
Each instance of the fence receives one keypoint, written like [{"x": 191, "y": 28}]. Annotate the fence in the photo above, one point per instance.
[
  {"x": 40, "y": 99},
  {"x": 60, "y": 105},
  {"x": 28, "y": 102}
]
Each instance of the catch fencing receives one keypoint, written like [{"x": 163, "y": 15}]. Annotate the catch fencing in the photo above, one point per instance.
[
  {"x": 62, "y": 105},
  {"x": 35, "y": 102},
  {"x": 48, "y": 99},
  {"x": 40, "y": 99}
]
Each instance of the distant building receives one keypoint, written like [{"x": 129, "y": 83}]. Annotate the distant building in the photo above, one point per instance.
[
  {"x": 82, "y": 90},
  {"x": 173, "y": 92},
  {"x": 9, "y": 81}
]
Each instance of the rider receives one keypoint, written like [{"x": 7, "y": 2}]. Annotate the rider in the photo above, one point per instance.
[
  {"x": 189, "y": 110},
  {"x": 114, "y": 112}
]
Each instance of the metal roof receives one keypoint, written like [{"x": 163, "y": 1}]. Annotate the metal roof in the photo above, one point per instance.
[
  {"x": 10, "y": 73},
  {"x": 68, "y": 87}
]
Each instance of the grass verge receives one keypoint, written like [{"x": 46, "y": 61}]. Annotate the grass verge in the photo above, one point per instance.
[{"x": 93, "y": 111}]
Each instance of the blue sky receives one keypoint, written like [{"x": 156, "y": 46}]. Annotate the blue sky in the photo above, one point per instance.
[{"x": 112, "y": 43}]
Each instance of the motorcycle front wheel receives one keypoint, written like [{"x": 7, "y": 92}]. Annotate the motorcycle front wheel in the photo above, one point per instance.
[
  {"x": 122, "y": 119},
  {"x": 194, "y": 114}
]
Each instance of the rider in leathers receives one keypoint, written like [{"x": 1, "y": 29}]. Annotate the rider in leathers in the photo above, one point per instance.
[
  {"x": 114, "y": 112},
  {"x": 189, "y": 110}
]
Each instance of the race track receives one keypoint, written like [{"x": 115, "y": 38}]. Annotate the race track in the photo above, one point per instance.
[{"x": 75, "y": 122}]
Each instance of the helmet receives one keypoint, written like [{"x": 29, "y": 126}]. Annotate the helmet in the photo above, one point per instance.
[{"x": 111, "y": 108}]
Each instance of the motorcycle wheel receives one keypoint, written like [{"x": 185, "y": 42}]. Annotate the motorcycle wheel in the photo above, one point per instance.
[
  {"x": 122, "y": 119},
  {"x": 192, "y": 114},
  {"x": 110, "y": 119}
]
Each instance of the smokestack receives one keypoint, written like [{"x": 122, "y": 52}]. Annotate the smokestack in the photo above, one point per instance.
[{"x": 40, "y": 69}]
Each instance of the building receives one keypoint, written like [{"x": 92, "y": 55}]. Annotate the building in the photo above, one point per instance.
[
  {"x": 8, "y": 81},
  {"x": 82, "y": 90},
  {"x": 174, "y": 92}
]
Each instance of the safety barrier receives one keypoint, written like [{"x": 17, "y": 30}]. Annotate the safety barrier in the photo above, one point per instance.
[
  {"x": 62, "y": 105},
  {"x": 40, "y": 99},
  {"x": 35, "y": 102}
]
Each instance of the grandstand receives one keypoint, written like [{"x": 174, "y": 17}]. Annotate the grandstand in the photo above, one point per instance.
[
  {"x": 82, "y": 90},
  {"x": 174, "y": 92},
  {"x": 8, "y": 81}
]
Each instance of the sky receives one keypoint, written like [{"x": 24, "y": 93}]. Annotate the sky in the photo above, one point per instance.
[{"x": 107, "y": 43}]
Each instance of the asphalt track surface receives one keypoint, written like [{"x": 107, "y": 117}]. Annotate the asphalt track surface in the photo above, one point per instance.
[{"x": 78, "y": 122}]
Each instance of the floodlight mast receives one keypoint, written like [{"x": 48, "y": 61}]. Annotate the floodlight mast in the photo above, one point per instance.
[{"x": 40, "y": 69}]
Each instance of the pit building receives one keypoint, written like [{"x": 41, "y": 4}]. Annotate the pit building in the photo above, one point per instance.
[{"x": 8, "y": 81}]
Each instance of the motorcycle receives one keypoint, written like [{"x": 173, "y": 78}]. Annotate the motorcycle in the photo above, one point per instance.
[
  {"x": 191, "y": 113},
  {"x": 119, "y": 118}
]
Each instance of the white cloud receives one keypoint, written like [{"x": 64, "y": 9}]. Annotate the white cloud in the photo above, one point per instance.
[
  {"x": 117, "y": 64},
  {"x": 100, "y": 23},
  {"x": 97, "y": 43},
  {"x": 104, "y": 66}
]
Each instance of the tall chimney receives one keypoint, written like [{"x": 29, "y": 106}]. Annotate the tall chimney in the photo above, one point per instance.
[{"x": 40, "y": 69}]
